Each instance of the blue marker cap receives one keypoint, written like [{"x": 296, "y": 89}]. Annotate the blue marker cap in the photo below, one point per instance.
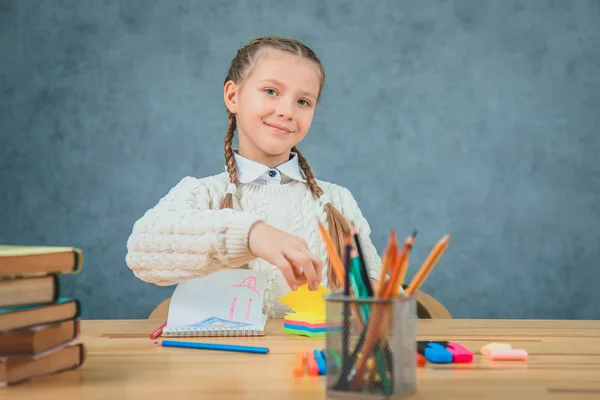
[
  {"x": 321, "y": 362},
  {"x": 436, "y": 353}
]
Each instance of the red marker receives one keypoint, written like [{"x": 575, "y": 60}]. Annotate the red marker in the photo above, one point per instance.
[
  {"x": 311, "y": 363},
  {"x": 459, "y": 353},
  {"x": 158, "y": 331}
]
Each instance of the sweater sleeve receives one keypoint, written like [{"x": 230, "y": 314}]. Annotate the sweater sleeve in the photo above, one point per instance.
[
  {"x": 182, "y": 238},
  {"x": 353, "y": 213}
]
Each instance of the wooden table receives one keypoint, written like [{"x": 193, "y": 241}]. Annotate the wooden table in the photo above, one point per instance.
[{"x": 123, "y": 363}]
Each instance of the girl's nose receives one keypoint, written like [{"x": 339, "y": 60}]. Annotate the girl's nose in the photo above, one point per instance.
[{"x": 285, "y": 108}]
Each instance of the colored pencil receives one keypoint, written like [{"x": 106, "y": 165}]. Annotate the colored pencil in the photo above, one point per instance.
[
  {"x": 346, "y": 311},
  {"x": 338, "y": 268},
  {"x": 398, "y": 263},
  {"x": 363, "y": 265},
  {"x": 215, "y": 346},
  {"x": 404, "y": 268},
  {"x": 430, "y": 262},
  {"x": 388, "y": 257}
]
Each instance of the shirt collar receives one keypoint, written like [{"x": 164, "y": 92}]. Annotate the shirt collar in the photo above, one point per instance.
[{"x": 248, "y": 170}]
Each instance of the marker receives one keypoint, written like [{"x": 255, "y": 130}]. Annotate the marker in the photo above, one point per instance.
[
  {"x": 459, "y": 353},
  {"x": 299, "y": 366},
  {"x": 434, "y": 352},
  {"x": 158, "y": 331},
  {"x": 215, "y": 346},
  {"x": 321, "y": 363},
  {"x": 334, "y": 361},
  {"x": 311, "y": 364}
]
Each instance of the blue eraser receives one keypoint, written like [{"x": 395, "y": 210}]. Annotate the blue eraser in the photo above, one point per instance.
[{"x": 436, "y": 353}]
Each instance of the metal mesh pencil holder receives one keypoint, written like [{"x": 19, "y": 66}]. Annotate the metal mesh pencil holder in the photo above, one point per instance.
[{"x": 370, "y": 347}]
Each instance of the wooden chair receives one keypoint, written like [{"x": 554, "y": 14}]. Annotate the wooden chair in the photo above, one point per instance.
[{"x": 427, "y": 308}]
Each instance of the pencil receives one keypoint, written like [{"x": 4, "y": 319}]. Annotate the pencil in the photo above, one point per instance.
[
  {"x": 347, "y": 256},
  {"x": 346, "y": 310},
  {"x": 428, "y": 264},
  {"x": 404, "y": 268},
  {"x": 363, "y": 266},
  {"x": 388, "y": 259},
  {"x": 399, "y": 262},
  {"x": 215, "y": 346},
  {"x": 336, "y": 263}
]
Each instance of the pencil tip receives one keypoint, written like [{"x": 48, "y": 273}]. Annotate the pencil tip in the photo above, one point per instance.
[{"x": 414, "y": 233}]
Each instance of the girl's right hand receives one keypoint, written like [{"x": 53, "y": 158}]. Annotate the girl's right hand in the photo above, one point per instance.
[{"x": 288, "y": 253}]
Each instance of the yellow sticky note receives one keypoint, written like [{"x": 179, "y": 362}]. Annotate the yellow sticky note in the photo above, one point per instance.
[{"x": 306, "y": 301}]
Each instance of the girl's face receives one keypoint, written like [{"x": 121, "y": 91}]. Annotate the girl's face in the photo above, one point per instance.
[{"x": 274, "y": 105}]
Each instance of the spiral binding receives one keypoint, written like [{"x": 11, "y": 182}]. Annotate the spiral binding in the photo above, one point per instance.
[{"x": 198, "y": 331}]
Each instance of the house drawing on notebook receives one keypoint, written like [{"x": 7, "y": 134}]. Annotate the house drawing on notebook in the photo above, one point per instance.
[
  {"x": 215, "y": 322},
  {"x": 226, "y": 300},
  {"x": 248, "y": 293}
]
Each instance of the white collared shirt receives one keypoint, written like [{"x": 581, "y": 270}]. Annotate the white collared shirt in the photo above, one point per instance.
[{"x": 252, "y": 171}]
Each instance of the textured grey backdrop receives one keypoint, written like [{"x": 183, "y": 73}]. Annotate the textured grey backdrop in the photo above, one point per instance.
[{"x": 477, "y": 118}]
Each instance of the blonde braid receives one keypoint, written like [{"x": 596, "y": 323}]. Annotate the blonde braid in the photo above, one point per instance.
[
  {"x": 339, "y": 227},
  {"x": 230, "y": 160}
]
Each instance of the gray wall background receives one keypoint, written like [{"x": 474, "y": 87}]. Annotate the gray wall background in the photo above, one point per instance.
[{"x": 477, "y": 118}]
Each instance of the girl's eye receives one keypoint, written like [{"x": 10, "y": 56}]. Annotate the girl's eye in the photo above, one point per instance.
[
  {"x": 304, "y": 103},
  {"x": 270, "y": 92}
]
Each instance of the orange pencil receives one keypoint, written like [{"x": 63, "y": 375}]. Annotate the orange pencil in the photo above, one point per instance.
[
  {"x": 404, "y": 268},
  {"x": 388, "y": 261},
  {"x": 428, "y": 265},
  {"x": 399, "y": 262},
  {"x": 401, "y": 276},
  {"x": 338, "y": 267}
]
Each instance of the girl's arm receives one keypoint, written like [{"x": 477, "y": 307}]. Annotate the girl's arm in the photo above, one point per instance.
[{"x": 182, "y": 237}]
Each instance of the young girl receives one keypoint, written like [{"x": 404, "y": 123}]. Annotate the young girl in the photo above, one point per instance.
[{"x": 262, "y": 212}]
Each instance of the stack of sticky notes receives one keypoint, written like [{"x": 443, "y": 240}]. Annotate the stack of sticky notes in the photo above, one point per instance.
[{"x": 308, "y": 318}]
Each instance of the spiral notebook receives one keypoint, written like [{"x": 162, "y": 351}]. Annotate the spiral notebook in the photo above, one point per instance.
[{"x": 228, "y": 302}]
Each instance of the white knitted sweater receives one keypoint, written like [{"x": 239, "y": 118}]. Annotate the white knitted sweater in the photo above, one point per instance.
[{"x": 187, "y": 236}]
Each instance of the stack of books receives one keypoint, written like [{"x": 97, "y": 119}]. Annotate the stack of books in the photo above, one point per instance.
[{"x": 39, "y": 329}]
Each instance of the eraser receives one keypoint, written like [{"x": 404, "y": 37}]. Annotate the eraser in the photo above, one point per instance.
[
  {"x": 507, "y": 355},
  {"x": 496, "y": 346}
]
